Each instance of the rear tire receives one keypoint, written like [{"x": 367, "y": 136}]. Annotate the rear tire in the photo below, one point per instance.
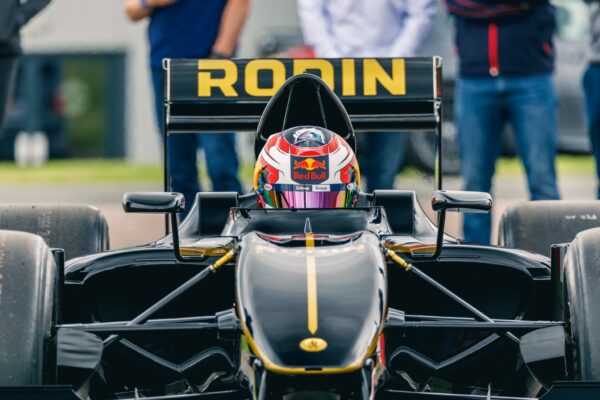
[
  {"x": 28, "y": 281},
  {"x": 582, "y": 304},
  {"x": 536, "y": 225},
  {"x": 78, "y": 229}
]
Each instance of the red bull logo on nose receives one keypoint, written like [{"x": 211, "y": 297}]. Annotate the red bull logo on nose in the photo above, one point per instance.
[{"x": 309, "y": 169}]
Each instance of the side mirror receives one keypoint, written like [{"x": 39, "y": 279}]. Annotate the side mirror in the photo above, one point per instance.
[
  {"x": 456, "y": 200},
  {"x": 158, "y": 202},
  {"x": 153, "y": 202}
]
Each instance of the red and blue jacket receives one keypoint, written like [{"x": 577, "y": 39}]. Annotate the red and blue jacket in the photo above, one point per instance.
[{"x": 505, "y": 37}]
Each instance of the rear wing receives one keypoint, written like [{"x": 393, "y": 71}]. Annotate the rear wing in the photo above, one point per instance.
[
  {"x": 383, "y": 94},
  {"x": 379, "y": 94}
]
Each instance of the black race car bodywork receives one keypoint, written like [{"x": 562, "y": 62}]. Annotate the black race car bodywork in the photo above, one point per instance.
[
  {"x": 336, "y": 257},
  {"x": 372, "y": 302},
  {"x": 269, "y": 292}
]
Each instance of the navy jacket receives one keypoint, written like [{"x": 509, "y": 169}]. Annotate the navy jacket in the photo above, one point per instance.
[
  {"x": 184, "y": 29},
  {"x": 506, "y": 37}
]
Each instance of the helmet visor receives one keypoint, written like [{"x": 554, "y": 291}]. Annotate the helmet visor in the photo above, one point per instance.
[{"x": 309, "y": 196}]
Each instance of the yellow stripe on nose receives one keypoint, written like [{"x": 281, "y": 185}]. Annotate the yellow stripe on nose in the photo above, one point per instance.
[{"x": 311, "y": 283}]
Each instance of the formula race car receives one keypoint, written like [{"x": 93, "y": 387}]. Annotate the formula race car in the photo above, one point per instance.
[{"x": 305, "y": 288}]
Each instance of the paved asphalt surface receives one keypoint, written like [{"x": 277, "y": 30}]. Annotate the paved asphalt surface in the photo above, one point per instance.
[{"x": 135, "y": 229}]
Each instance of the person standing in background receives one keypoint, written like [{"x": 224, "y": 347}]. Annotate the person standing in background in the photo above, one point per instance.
[
  {"x": 374, "y": 28},
  {"x": 193, "y": 29},
  {"x": 591, "y": 87},
  {"x": 506, "y": 63},
  {"x": 14, "y": 14}
]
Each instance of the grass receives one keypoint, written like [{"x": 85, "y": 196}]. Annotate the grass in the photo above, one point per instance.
[
  {"x": 79, "y": 171},
  {"x": 565, "y": 165},
  {"x": 117, "y": 171}
]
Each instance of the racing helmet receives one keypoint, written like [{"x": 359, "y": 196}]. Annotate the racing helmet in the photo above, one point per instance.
[{"x": 306, "y": 167}]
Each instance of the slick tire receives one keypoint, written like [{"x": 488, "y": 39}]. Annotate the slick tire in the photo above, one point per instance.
[
  {"x": 582, "y": 304},
  {"x": 28, "y": 283},
  {"x": 536, "y": 225},
  {"x": 78, "y": 229}
]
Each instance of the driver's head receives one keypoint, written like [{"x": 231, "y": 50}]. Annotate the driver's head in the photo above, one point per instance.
[{"x": 306, "y": 167}]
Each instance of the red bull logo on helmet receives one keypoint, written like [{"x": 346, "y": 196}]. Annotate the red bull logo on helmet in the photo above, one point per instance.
[
  {"x": 309, "y": 169},
  {"x": 309, "y": 164}
]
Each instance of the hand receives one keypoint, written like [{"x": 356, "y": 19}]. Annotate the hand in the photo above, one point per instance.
[
  {"x": 159, "y": 3},
  {"x": 137, "y": 10},
  {"x": 219, "y": 54},
  {"x": 232, "y": 21}
]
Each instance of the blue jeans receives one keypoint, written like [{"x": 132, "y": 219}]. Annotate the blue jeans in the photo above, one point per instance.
[
  {"x": 219, "y": 149},
  {"x": 382, "y": 156},
  {"x": 591, "y": 86},
  {"x": 483, "y": 106}
]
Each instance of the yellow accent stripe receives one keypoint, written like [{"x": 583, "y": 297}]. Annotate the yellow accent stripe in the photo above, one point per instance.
[
  {"x": 310, "y": 241},
  {"x": 311, "y": 285},
  {"x": 204, "y": 251},
  {"x": 257, "y": 170},
  {"x": 407, "y": 248},
  {"x": 398, "y": 260},
  {"x": 223, "y": 260},
  {"x": 311, "y": 278}
]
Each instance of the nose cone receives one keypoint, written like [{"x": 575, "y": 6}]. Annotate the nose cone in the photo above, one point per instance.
[{"x": 310, "y": 308}]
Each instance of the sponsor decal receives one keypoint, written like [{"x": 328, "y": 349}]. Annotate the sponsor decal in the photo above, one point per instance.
[
  {"x": 313, "y": 344},
  {"x": 309, "y": 169},
  {"x": 303, "y": 188},
  {"x": 268, "y": 186},
  {"x": 348, "y": 77},
  {"x": 321, "y": 188}
]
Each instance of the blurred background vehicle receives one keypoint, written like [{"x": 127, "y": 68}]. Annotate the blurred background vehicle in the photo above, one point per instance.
[{"x": 571, "y": 48}]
